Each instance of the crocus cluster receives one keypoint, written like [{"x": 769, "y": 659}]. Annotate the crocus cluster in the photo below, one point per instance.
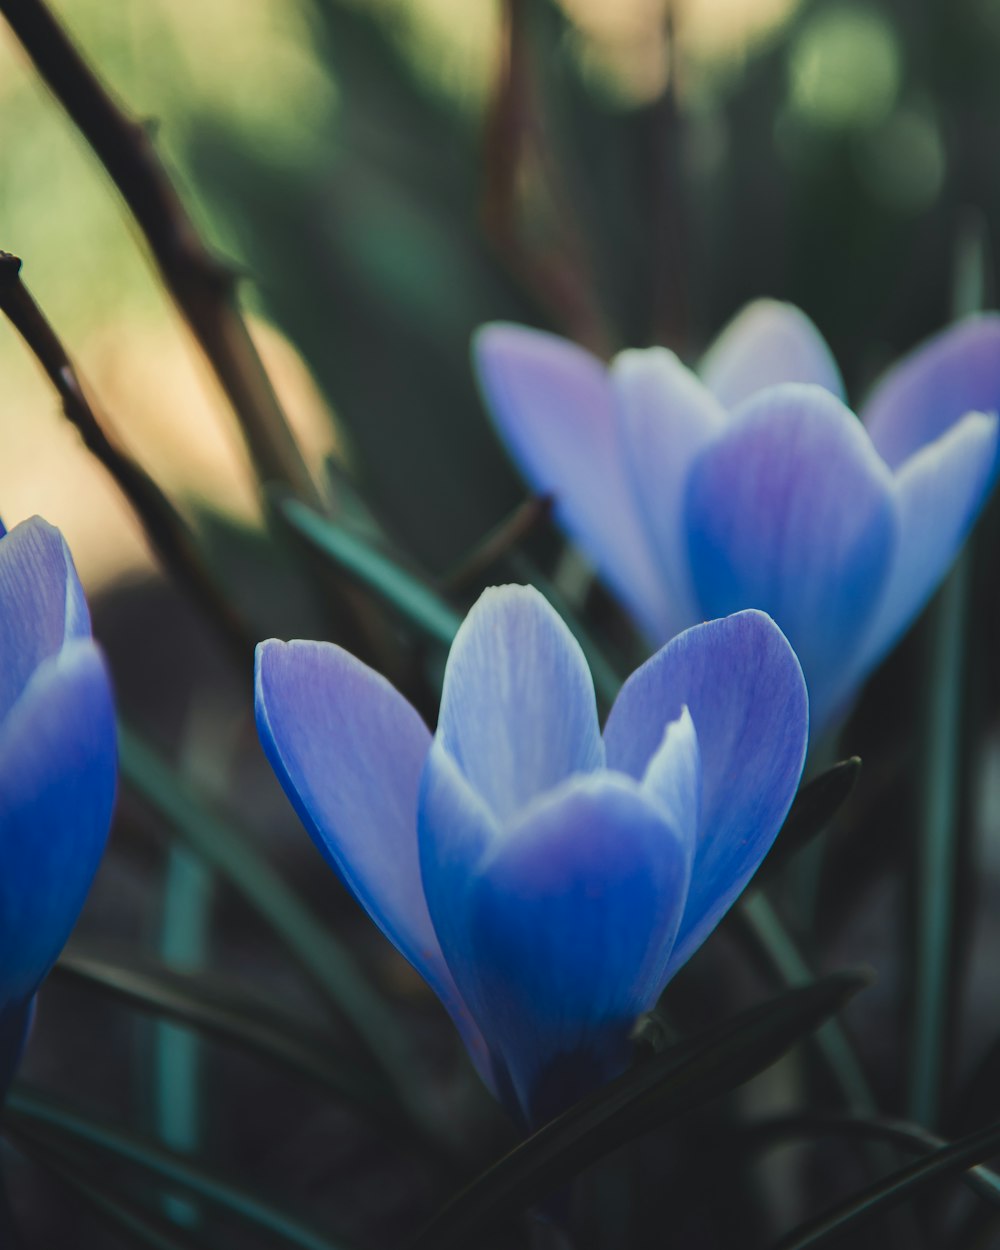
[
  {"x": 545, "y": 879},
  {"x": 58, "y": 766},
  {"x": 749, "y": 484}
]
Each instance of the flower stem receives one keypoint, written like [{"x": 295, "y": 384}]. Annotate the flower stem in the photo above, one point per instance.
[
  {"x": 784, "y": 956},
  {"x": 937, "y": 848}
]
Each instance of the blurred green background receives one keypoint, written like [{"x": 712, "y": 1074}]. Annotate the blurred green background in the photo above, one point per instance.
[{"x": 675, "y": 161}]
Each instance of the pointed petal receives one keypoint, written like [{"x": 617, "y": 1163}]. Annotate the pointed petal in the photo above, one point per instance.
[
  {"x": 939, "y": 493},
  {"x": 58, "y": 771},
  {"x": 953, "y": 373},
  {"x": 747, "y": 698},
  {"x": 765, "y": 344},
  {"x": 571, "y": 920},
  {"x": 673, "y": 777},
  {"x": 667, "y": 417},
  {"x": 518, "y": 713},
  {"x": 455, "y": 828},
  {"x": 552, "y": 403},
  {"x": 791, "y": 512},
  {"x": 348, "y": 750},
  {"x": 43, "y": 603}
]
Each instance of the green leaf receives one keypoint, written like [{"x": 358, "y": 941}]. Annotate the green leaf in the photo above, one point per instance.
[
  {"x": 321, "y": 956},
  {"x": 762, "y": 924},
  {"x": 42, "y": 1120},
  {"x": 410, "y": 597},
  {"x": 901, "y": 1133},
  {"x": 146, "y": 1229},
  {"x": 891, "y": 1191},
  {"x": 651, "y": 1093},
  {"x": 813, "y": 809},
  {"x": 214, "y": 1006}
]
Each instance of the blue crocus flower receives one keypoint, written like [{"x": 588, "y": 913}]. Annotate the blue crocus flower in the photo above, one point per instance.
[
  {"x": 58, "y": 766},
  {"x": 750, "y": 484},
  {"x": 545, "y": 880}
]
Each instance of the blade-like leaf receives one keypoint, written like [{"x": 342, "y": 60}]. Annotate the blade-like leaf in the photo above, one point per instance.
[
  {"x": 940, "y": 783},
  {"x": 759, "y": 921},
  {"x": 814, "y": 807},
  {"x": 413, "y": 600},
  {"x": 216, "y": 1007},
  {"x": 325, "y": 960},
  {"x": 649, "y": 1094},
  {"x": 147, "y": 1230},
  {"x": 891, "y": 1191},
  {"x": 44, "y": 1120},
  {"x": 901, "y": 1133}
]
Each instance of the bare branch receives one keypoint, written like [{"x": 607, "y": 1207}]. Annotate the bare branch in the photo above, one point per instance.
[
  {"x": 202, "y": 287},
  {"x": 165, "y": 529}
]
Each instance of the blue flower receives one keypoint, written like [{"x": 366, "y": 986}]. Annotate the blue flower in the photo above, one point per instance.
[
  {"x": 751, "y": 485},
  {"x": 546, "y": 881},
  {"x": 58, "y": 766}
]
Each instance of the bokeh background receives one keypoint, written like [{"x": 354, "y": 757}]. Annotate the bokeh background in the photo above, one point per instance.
[{"x": 662, "y": 164}]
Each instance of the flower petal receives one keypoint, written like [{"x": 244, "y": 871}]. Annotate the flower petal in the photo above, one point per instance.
[
  {"x": 43, "y": 603},
  {"x": 571, "y": 920},
  {"x": 673, "y": 777},
  {"x": 348, "y": 750},
  {"x": 939, "y": 492},
  {"x": 747, "y": 698},
  {"x": 518, "y": 713},
  {"x": 953, "y": 373},
  {"x": 553, "y": 405},
  {"x": 667, "y": 417},
  {"x": 58, "y": 773},
  {"x": 791, "y": 512},
  {"x": 765, "y": 344}
]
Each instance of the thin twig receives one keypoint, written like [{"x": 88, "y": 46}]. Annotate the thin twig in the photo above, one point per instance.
[
  {"x": 165, "y": 529},
  {"x": 509, "y": 533},
  {"x": 201, "y": 286}
]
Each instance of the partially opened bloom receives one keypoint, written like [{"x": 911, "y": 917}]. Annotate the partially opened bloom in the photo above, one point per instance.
[
  {"x": 751, "y": 484},
  {"x": 58, "y": 766},
  {"x": 546, "y": 881}
]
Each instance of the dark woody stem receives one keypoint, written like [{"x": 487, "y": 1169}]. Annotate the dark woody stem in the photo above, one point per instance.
[
  {"x": 165, "y": 529},
  {"x": 202, "y": 288}
]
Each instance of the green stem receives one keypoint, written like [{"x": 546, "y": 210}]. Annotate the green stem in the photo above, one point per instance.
[
  {"x": 28, "y": 1112},
  {"x": 183, "y": 943},
  {"x": 328, "y": 964},
  {"x": 784, "y": 956},
  {"x": 938, "y": 848}
]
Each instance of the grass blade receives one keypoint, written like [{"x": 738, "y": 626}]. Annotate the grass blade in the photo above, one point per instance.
[
  {"x": 937, "y": 848},
  {"x": 215, "y": 1007},
  {"x": 812, "y": 810},
  {"x": 650, "y": 1094},
  {"x": 901, "y": 1133},
  {"x": 893, "y": 1190},
  {"x": 325, "y": 960},
  {"x": 27, "y": 1114},
  {"x": 410, "y": 597},
  {"x": 147, "y": 1230},
  {"x": 764, "y": 926}
]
